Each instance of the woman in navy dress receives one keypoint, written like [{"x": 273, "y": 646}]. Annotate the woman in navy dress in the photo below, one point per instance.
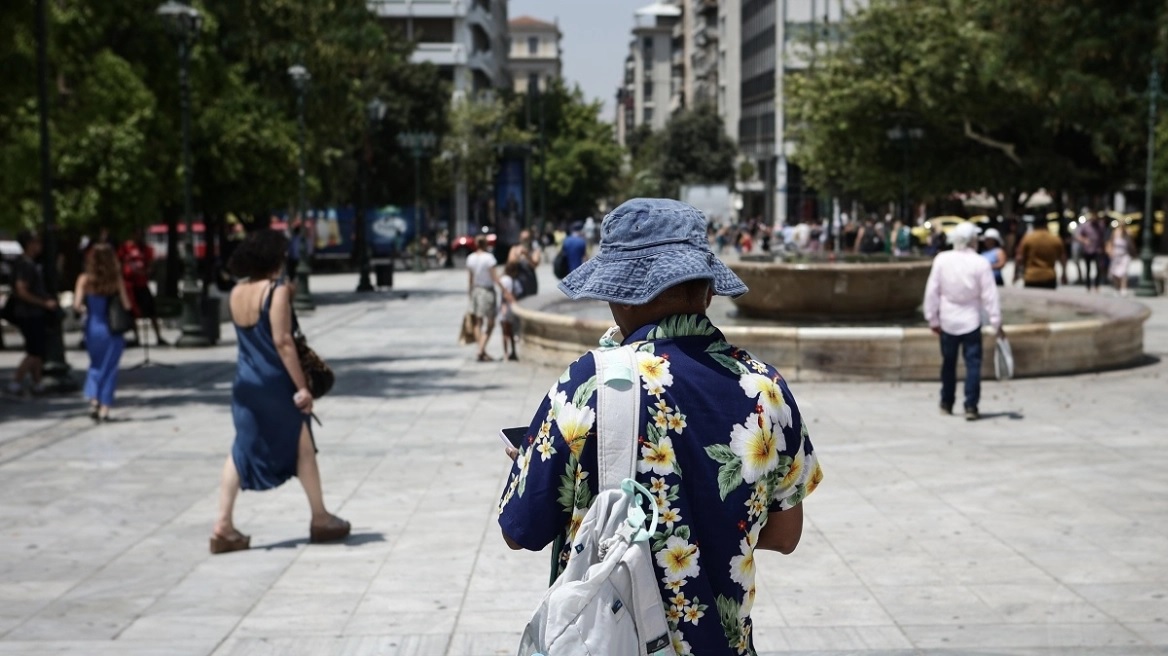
[
  {"x": 270, "y": 402},
  {"x": 100, "y": 285}
]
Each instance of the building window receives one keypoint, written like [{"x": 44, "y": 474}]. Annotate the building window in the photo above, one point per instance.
[
  {"x": 647, "y": 89},
  {"x": 533, "y": 45},
  {"x": 533, "y": 82},
  {"x": 648, "y": 115},
  {"x": 647, "y": 47}
]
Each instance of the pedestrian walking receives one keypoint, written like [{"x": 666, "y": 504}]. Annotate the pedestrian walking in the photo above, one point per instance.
[
  {"x": 483, "y": 279},
  {"x": 270, "y": 401},
  {"x": 1119, "y": 252},
  {"x": 994, "y": 254},
  {"x": 723, "y": 447},
  {"x": 527, "y": 255},
  {"x": 575, "y": 247},
  {"x": 509, "y": 281},
  {"x": 1038, "y": 253},
  {"x": 960, "y": 286},
  {"x": 33, "y": 308},
  {"x": 137, "y": 258},
  {"x": 1092, "y": 237},
  {"x": 97, "y": 289}
]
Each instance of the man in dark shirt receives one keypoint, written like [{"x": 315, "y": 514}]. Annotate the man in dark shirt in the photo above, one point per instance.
[{"x": 32, "y": 305}]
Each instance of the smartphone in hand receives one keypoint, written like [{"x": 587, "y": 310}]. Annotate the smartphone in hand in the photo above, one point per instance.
[{"x": 513, "y": 437}]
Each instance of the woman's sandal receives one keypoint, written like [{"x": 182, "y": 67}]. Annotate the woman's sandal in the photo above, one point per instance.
[
  {"x": 237, "y": 542},
  {"x": 336, "y": 529}
]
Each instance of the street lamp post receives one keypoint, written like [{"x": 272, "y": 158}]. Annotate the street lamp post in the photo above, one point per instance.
[
  {"x": 375, "y": 112},
  {"x": 417, "y": 143},
  {"x": 303, "y": 298},
  {"x": 904, "y": 137},
  {"x": 185, "y": 22},
  {"x": 57, "y": 369},
  {"x": 1147, "y": 286}
]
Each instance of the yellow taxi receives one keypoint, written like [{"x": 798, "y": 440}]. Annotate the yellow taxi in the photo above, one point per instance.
[
  {"x": 924, "y": 232},
  {"x": 1132, "y": 223}
]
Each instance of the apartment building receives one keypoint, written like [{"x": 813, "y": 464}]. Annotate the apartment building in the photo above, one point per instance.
[
  {"x": 761, "y": 43},
  {"x": 646, "y": 95},
  {"x": 535, "y": 55},
  {"x": 466, "y": 39}
]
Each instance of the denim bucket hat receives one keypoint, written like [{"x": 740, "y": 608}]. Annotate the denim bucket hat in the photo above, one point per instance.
[{"x": 648, "y": 245}]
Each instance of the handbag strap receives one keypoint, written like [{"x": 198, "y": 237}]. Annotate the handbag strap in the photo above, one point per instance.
[{"x": 618, "y": 408}]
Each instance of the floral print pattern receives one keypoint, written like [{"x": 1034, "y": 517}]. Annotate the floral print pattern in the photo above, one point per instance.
[{"x": 722, "y": 446}]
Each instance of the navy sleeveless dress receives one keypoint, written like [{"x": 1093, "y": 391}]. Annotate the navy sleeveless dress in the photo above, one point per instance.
[
  {"x": 267, "y": 421},
  {"x": 105, "y": 350}
]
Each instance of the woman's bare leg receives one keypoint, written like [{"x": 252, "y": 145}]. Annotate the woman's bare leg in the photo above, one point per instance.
[
  {"x": 228, "y": 490},
  {"x": 309, "y": 474}
]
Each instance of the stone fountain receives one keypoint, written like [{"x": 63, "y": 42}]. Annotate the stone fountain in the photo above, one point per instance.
[{"x": 860, "y": 320}]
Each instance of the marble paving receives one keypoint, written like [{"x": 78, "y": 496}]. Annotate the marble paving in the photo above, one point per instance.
[{"x": 1042, "y": 529}]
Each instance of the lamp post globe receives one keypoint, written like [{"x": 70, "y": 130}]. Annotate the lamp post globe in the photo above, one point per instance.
[
  {"x": 303, "y": 299},
  {"x": 185, "y": 22}
]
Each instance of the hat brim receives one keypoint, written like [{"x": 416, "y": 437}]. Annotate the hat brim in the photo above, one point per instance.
[{"x": 638, "y": 280}]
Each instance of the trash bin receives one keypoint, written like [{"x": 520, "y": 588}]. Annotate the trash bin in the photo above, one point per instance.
[
  {"x": 210, "y": 308},
  {"x": 383, "y": 270}
]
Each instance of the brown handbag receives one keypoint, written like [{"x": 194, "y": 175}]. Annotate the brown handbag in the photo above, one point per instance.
[{"x": 319, "y": 375}]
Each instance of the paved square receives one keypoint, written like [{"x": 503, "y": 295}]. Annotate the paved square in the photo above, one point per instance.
[{"x": 1042, "y": 529}]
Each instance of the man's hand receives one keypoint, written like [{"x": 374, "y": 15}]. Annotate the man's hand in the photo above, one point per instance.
[
  {"x": 936, "y": 329},
  {"x": 512, "y": 453},
  {"x": 51, "y": 304}
]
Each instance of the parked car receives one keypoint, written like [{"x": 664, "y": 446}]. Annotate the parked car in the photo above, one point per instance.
[
  {"x": 1133, "y": 220},
  {"x": 465, "y": 245}
]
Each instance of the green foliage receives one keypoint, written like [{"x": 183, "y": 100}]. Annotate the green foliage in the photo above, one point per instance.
[
  {"x": 1010, "y": 97},
  {"x": 581, "y": 154},
  {"x": 114, "y": 99},
  {"x": 477, "y": 130},
  {"x": 692, "y": 149}
]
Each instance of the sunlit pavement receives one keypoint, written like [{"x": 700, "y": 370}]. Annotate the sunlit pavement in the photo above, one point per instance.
[{"x": 1041, "y": 529}]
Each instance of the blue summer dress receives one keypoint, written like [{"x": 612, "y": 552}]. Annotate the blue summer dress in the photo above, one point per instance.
[
  {"x": 105, "y": 350},
  {"x": 267, "y": 421}
]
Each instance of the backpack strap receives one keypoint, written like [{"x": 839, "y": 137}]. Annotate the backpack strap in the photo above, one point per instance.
[{"x": 618, "y": 410}]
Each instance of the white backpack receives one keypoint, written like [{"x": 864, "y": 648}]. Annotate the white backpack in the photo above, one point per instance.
[{"x": 607, "y": 603}]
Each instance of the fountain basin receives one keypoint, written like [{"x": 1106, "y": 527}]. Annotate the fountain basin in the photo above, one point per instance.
[
  {"x": 860, "y": 288},
  {"x": 1051, "y": 333}
]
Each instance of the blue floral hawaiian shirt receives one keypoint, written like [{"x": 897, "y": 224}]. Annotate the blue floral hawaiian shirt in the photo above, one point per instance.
[{"x": 723, "y": 445}]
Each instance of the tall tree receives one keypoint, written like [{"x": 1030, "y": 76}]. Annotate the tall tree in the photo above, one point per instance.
[
  {"x": 1010, "y": 96},
  {"x": 580, "y": 151}
]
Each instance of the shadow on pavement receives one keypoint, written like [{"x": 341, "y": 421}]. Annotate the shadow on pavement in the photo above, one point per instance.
[
  {"x": 1010, "y": 414},
  {"x": 354, "y": 540}
]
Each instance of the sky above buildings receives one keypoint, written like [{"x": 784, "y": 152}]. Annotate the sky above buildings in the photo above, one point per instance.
[{"x": 595, "y": 42}]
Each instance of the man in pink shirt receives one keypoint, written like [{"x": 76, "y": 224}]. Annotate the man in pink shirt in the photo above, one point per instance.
[{"x": 960, "y": 286}]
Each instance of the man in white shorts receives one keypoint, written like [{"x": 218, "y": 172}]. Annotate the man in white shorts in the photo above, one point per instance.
[{"x": 483, "y": 279}]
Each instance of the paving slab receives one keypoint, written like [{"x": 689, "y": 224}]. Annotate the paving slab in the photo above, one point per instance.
[{"x": 1039, "y": 530}]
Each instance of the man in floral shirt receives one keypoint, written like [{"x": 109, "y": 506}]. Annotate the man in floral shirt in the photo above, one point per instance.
[{"x": 723, "y": 447}]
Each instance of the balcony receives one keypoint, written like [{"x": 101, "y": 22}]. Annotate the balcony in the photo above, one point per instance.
[
  {"x": 440, "y": 54},
  {"x": 417, "y": 8}
]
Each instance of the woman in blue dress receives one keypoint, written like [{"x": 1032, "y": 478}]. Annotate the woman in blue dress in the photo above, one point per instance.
[
  {"x": 270, "y": 401},
  {"x": 100, "y": 285}
]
